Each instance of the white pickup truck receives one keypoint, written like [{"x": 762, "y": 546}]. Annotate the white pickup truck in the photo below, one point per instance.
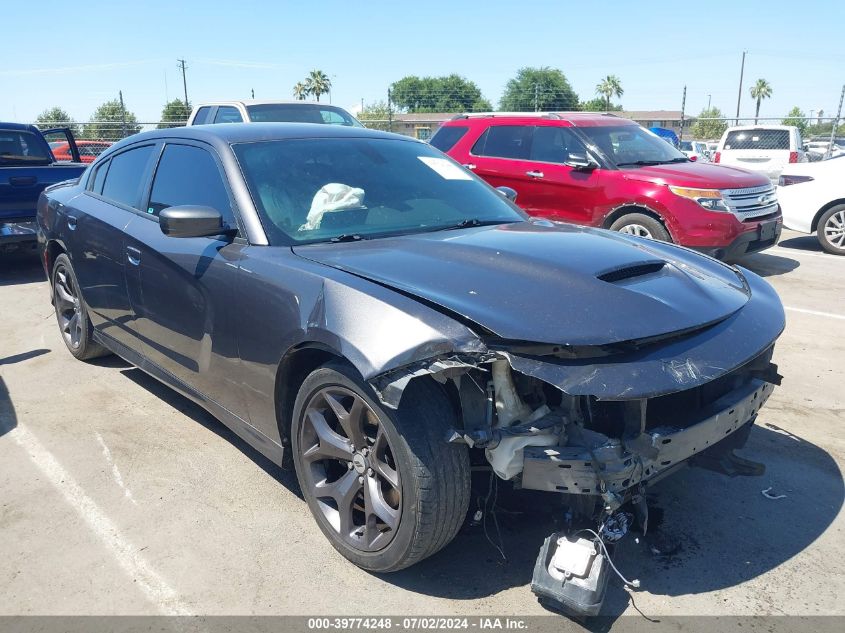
[
  {"x": 763, "y": 148},
  {"x": 271, "y": 112}
]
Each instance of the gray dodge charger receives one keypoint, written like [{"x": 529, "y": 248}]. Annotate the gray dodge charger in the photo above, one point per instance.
[{"x": 358, "y": 306}]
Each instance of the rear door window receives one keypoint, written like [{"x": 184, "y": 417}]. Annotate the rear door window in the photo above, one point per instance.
[
  {"x": 757, "y": 139},
  {"x": 227, "y": 114},
  {"x": 445, "y": 138},
  {"x": 18, "y": 147},
  {"x": 505, "y": 141},
  {"x": 553, "y": 144},
  {"x": 99, "y": 178},
  {"x": 125, "y": 178},
  {"x": 189, "y": 175},
  {"x": 202, "y": 115}
]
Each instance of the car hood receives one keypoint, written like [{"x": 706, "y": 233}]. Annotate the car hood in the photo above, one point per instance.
[
  {"x": 548, "y": 283},
  {"x": 703, "y": 175}
]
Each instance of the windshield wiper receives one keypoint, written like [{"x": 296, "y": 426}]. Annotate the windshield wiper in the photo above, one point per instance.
[
  {"x": 640, "y": 163},
  {"x": 679, "y": 159},
  {"x": 469, "y": 222},
  {"x": 347, "y": 237}
]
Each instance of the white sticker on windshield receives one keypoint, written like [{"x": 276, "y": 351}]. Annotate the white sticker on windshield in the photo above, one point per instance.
[{"x": 446, "y": 169}]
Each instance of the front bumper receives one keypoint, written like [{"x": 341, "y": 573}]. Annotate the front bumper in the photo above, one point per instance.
[
  {"x": 765, "y": 235},
  {"x": 613, "y": 467}
]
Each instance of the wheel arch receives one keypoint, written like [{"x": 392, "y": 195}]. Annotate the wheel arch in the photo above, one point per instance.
[
  {"x": 833, "y": 203},
  {"x": 635, "y": 207}
]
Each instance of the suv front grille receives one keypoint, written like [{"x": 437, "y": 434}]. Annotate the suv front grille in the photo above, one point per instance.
[{"x": 751, "y": 202}]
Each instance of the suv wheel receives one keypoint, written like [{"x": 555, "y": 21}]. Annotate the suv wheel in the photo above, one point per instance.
[
  {"x": 385, "y": 487},
  {"x": 641, "y": 225},
  {"x": 71, "y": 313},
  {"x": 831, "y": 230}
]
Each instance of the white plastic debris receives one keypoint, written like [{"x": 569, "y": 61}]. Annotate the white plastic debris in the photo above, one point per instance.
[
  {"x": 767, "y": 493},
  {"x": 331, "y": 198}
]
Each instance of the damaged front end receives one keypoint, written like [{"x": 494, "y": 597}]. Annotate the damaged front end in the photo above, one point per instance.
[{"x": 599, "y": 425}]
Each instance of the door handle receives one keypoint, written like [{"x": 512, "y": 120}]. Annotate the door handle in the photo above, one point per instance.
[
  {"x": 469, "y": 166},
  {"x": 133, "y": 255},
  {"x": 534, "y": 174},
  {"x": 71, "y": 222},
  {"x": 22, "y": 181}
]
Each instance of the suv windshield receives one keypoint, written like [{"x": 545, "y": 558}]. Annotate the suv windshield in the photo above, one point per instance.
[
  {"x": 631, "y": 145},
  {"x": 300, "y": 113},
  {"x": 22, "y": 148},
  {"x": 313, "y": 190}
]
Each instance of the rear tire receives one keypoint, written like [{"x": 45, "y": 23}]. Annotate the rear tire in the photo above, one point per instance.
[
  {"x": 72, "y": 314},
  {"x": 641, "y": 225},
  {"x": 418, "y": 484},
  {"x": 831, "y": 230}
]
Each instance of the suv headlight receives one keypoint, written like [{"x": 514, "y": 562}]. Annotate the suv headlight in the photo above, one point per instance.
[{"x": 710, "y": 199}]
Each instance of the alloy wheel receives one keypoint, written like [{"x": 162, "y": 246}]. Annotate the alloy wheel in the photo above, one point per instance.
[
  {"x": 349, "y": 468},
  {"x": 636, "y": 229},
  {"x": 834, "y": 229},
  {"x": 68, "y": 307}
]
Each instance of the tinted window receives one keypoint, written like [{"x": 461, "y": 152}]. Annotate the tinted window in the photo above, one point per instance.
[
  {"x": 189, "y": 175},
  {"x": 19, "y": 147},
  {"x": 316, "y": 189},
  {"x": 202, "y": 115},
  {"x": 505, "y": 141},
  {"x": 99, "y": 177},
  {"x": 125, "y": 176},
  {"x": 757, "y": 139},
  {"x": 300, "y": 113},
  {"x": 554, "y": 144},
  {"x": 631, "y": 145},
  {"x": 445, "y": 138},
  {"x": 227, "y": 114}
]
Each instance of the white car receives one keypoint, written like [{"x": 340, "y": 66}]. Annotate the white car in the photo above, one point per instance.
[
  {"x": 764, "y": 148},
  {"x": 812, "y": 199},
  {"x": 695, "y": 150},
  {"x": 270, "y": 112}
]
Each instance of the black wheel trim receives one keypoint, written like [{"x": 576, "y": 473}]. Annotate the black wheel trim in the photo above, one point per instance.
[
  {"x": 348, "y": 468},
  {"x": 68, "y": 307}
]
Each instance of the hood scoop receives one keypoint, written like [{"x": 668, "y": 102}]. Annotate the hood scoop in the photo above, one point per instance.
[{"x": 641, "y": 269}]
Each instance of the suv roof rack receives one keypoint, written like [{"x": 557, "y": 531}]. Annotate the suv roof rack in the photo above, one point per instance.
[{"x": 539, "y": 115}]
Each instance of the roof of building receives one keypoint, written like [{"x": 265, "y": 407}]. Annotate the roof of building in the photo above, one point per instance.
[{"x": 652, "y": 115}]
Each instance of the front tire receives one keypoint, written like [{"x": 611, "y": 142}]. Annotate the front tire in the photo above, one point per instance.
[
  {"x": 71, "y": 313},
  {"x": 641, "y": 225},
  {"x": 384, "y": 486},
  {"x": 831, "y": 230}
]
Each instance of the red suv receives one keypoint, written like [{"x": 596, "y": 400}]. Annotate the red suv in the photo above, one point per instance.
[{"x": 605, "y": 171}]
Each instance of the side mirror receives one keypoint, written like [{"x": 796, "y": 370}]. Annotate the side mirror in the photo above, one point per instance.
[
  {"x": 580, "y": 161},
  {"x": 508, "y": 193},
  {"x": 191, "y": 221}
]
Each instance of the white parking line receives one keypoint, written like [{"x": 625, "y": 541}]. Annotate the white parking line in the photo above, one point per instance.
[
  {"x": 115, "y": 472},
  {"x": 136, "y": 567},
  {"x": 829, "y": 315},
  {"x": 798, "y": 252}
]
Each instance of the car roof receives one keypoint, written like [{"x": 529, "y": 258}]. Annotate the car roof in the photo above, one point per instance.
[
  {"x": 741, "y": 128},
  {"x": 575, "y": 119},
  {"x": 251, "y": 102},
  {"x": 18, "y": 126},
  {"x": 222, "y": 134}
]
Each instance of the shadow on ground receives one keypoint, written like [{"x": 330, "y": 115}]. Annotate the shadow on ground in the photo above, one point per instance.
[
  {"x": 808, "y": 243},
  {"x": 768, "y": 265},
  {"x": 201, "y": 416},
  {"x": 20, "y": 268},
  {"x": 8, "y": 419}
]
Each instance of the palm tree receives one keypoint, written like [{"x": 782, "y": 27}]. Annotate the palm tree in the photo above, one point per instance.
[
  {"x": 608, "y": 87},
  {"x": 318, "y": 83},
  {"x": 760, "y": 90},
  {"x": 300, "y": 91}
]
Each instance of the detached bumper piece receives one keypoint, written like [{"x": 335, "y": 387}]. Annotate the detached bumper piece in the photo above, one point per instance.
[
  {"x": 15, "y": 235},
  {"x": 571, "y": 575},
  {"x": 617, "y": 465}
]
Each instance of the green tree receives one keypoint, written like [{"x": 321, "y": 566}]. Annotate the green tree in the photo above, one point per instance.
[
  {"x": 300, "y": 90},
  {"x": 174, "y": 114},
  {"x": 760, "y": 90},
  {"x": 709, "y": 128},
  {"x": 609, "y": 87},
  {"x": 538, "y": 89},
  {"x": 375, "y": 115},
  {"x": 318, "y": 83},
  {"x": 111, "y": 123},
  {"x": 797, "y": 118},
  {"x": 450, "y": 93},
  {"x": 56, "y": 117},
  {"x": 599, "y": 105}
]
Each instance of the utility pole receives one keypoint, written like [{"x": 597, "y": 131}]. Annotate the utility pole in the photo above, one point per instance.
[
  {"x": 536, "y": 97},
  {"x": 683, "y": 105},
  {"x": 183, "y": 68},
  {"x": 835, "y": 122},
  {"x": 122, "y": 113},
  {"x": 252, "y": 92},
  {"x": 389, "y": 113},
  {"x": 739, "y": 94},
  {"x": 708, "y": 101}
]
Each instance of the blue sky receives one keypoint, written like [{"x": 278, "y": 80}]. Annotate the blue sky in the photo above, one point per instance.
[{"x": 79, "y": 55}]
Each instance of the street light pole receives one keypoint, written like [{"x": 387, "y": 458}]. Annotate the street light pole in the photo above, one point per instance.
[
  {"x": 708, "y": 101},
  {"x": 739, "y": 94}
]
